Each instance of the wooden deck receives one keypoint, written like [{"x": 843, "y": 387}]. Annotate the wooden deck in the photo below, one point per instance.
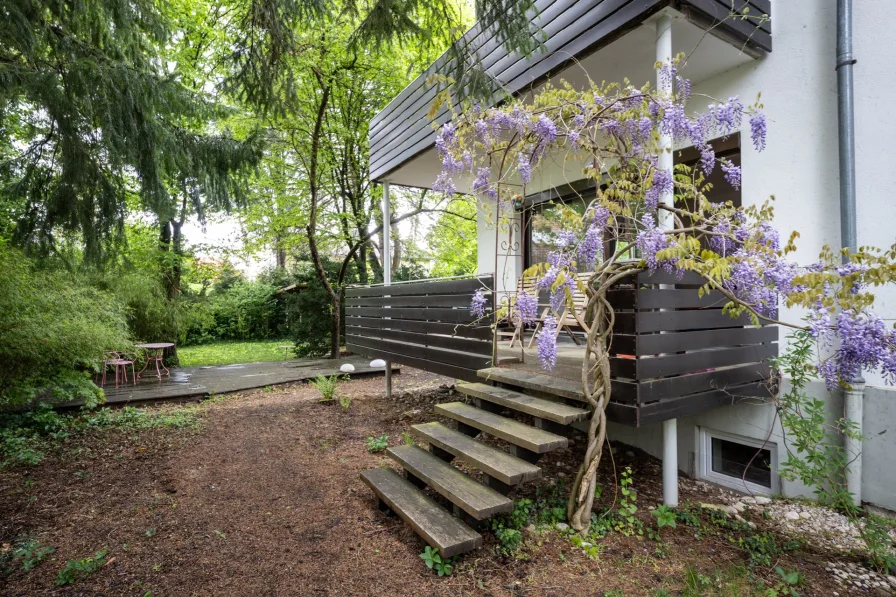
[{"x": 201, "y": 382}]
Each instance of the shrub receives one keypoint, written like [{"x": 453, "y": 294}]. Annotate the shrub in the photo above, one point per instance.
[
  {"x": 241, "y": 311},
  {"x": 53, "y": 327}
]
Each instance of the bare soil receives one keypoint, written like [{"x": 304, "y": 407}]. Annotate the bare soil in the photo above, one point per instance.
[{"x": 266, "y": 500}]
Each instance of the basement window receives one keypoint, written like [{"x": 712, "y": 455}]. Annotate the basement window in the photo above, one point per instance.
[{"x": 738, "y": 462}]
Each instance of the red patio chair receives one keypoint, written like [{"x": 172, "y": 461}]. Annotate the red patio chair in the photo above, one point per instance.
[{"x": 119, "y": 362}]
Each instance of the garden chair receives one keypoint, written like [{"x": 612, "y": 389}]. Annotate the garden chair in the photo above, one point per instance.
[
  {"x": 119, "y": 362},
  {"x": 518, "y": 327},
  {"x": 566, "y": 319}
]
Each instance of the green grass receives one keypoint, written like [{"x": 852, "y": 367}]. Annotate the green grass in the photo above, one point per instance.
[{"x": 231, "y": 353}]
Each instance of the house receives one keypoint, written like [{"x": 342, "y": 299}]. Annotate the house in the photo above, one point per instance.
[{"x": 789, "y": 57}]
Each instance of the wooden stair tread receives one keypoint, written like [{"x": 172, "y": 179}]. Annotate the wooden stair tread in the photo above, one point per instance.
[
  {"x": 541, "y": 382},
  {"x": 504, "y": 467},
  {"x": 525, "y": 436},
  {"x": 433, "y": 523},
  {"x": 537, "y": 407},
  {"x": 471, "y": 496}
]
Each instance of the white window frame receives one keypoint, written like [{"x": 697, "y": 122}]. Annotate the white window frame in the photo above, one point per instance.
[{"x": 705, "y": 472}]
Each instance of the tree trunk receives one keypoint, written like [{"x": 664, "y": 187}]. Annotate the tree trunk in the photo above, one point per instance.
[
  {"x": 335, "y": 325},
  {"x": 395, "y": 249}
]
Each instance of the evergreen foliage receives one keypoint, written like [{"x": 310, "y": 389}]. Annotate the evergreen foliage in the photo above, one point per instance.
[{"x": 91, "y": 115}]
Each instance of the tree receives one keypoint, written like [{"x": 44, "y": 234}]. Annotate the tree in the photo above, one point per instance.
[
  {"x": 92, "y": 115},
  {"x": 316, "y": 183},
  {"x": 452, "y": 242}
]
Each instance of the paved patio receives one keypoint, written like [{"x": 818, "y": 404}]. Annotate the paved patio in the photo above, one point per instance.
[{"x": 201, "y": 382}]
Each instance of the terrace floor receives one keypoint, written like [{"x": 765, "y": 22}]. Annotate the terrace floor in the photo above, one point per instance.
[
  {"x": 197, "y": 382},
  {"x": 569, "y": 358}
]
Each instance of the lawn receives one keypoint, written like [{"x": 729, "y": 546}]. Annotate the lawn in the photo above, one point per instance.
[{"x": 230, "y": 353}]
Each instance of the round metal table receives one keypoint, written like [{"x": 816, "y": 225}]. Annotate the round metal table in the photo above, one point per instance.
[{"x": 154, "y": 353}]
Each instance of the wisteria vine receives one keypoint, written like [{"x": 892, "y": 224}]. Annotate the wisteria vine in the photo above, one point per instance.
[{"x": 644, "y": 217}]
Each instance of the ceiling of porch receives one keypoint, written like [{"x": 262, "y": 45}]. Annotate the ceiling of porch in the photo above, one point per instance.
[{"x": 631, "y": 56}]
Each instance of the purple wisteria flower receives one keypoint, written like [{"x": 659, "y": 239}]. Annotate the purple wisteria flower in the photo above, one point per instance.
[
  {"x": 729, "y": 115},
  {"x": 547, "y": 343},
  {"x": 865, "y": 342},
  {"x": 545, "y": 129},
  {"x": 444, "y": 184},
  {"x": 527, "y": 307},
  {"x": 758, "y": 130},
  {"x": 479, "y": 303},
  {"x": 732, "y": 173},
  {"x": 707, "y": 158},
  {"x": 662, "y": 184},
  {"x": 482, "y": 132},
  {"x": 482, "y": 184},
  {"x": 651, "y": 241},
  {"x": 566, "y": 238},
  {"x": 591, "y": 246},
  {"x": 524, "y": 168}
]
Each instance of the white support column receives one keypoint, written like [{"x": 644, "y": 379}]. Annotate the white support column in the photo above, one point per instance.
[
  {"x": 664, "y": 55},
  {"x": 387, "y": 265},
  {"x": 853, "y": 410},
  {"x": 665, "y": 162}
]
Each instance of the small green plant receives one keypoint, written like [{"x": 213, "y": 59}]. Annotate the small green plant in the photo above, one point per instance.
[
  {"x": 407, "y": 438},
  {"x": 819, "y": 457},
  {"x": 345, "y": 402},
  {"x": 592, "y": 550},
  {"x": 26, "y": 554},
  {"x": 626, "y": 522},
  {"x": 327, "y": 386},
  {"x": 661, "y": 593},
  {"x": 434, "y": 561},
  {"x": 507, "y": 528},
  {"x": 665, "y": 517},
  {"x": 788, "y": 581},
  {"x": 377, "y": 444},
  {"x": 614, "y": 593},
  {"x": 509, "y": 540},
  {"x": 695, "y": 583},
  {"x": 762, "y": 549},
  {"x": 687, "y": 517},
  {"x": 79, "y": 569},
  {"x": 150, "y": 533}
]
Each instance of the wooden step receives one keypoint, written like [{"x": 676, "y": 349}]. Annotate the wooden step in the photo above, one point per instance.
[
  {"x": 537, "y": 407},
  {"x": 504, "y": 467},
  {"x": 433, "y": 523},
  {"x": 530, "y": 380},
  {"x": 530, "y": 438},
  {"x": 471, "y": 496}
]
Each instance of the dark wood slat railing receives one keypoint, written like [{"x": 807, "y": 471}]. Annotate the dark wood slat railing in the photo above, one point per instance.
[
  {"x": 675, "y": 353},
  {"x": 426, "y": 324}
]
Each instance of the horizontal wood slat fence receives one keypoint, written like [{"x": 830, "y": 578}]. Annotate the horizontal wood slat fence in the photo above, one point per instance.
[
  {"x": 675, "y": 353},
  {"x": 426, "y": 324}
]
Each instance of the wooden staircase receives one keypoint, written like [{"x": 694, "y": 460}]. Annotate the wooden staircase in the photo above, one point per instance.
[{"x": 471, "y": 501}]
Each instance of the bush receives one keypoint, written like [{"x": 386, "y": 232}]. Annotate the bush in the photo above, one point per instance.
[
  {"x": 54, "y": 330},
  {"x": 241, "y": 311}
]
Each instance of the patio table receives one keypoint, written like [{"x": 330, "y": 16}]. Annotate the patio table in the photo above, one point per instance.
[{"x": 154, "y": 353}]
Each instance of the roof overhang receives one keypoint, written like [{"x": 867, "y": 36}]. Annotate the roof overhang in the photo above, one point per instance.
[{"x": 606, "y": 40}]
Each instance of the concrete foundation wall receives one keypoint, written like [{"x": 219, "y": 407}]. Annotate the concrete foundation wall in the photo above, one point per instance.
[{"x": 753, "y": 420}]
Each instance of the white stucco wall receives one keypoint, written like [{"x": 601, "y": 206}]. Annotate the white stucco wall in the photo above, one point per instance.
[{"x": 800, "y": 168}]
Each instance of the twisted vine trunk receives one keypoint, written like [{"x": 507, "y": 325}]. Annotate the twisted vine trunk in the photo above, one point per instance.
[{"x": 599, "y": 319}]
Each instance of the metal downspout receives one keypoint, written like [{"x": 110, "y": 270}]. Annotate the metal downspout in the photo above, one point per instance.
[{"x": 854, "y": 396}]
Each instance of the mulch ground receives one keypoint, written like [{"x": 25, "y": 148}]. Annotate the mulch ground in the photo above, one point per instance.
[{"x": 266, "y": 500}]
